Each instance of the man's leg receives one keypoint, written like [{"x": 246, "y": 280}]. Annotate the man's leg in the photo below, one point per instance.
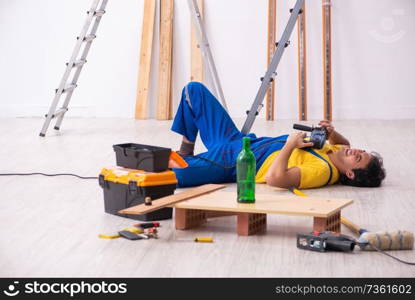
[
  {"x": 199, "y": 111},
  {"x": 203, "y": 168}
]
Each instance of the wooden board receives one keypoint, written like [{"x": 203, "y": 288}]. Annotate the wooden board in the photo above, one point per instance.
[
  {"x": 302, "y": 65},
  {"x": 327, "y": 60},
  {"x": 164, "y": 106},
  {"x": 196, "y": 59},
  {"x": 267, "y": 203},
  {"x": 169, "y": 200},
  {"x": 272, "y": 39},
  {"x": 143, "y": 85}
]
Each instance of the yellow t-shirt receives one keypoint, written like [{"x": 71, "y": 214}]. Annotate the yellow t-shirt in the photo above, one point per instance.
[{"x": 314, "y": 171}]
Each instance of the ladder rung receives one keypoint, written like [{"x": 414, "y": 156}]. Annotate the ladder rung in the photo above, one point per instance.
[
  {"x": 98, "y": 13},
  {"x": 59, "y": 112},
  {"x": 67, "y": 88},
  {"x": 88, "y": 38},
  {"x": 78, "y": 63}
]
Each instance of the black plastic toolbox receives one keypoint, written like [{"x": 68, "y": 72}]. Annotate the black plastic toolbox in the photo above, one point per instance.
[
  {"x": 142, "y": 157},
  {"x": 124, "y": 188}
]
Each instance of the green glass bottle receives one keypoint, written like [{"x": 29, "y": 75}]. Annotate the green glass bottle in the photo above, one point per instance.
[{"x": 245, "y": 173}]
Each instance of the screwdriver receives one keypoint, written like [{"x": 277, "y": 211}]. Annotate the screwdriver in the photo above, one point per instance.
[{"x": 147, "y": 225}]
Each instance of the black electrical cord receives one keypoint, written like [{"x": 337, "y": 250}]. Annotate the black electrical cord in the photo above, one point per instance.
[
  {"x": 49, "y": 175},
  {"x": 60, "y": 174},
  {"x": 391, "y": 256}
]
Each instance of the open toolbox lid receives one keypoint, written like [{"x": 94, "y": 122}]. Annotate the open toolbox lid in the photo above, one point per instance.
[{"x": 143, "y": 178}]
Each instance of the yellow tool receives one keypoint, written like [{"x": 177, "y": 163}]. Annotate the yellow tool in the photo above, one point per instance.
[
  {"x": 105, "y": 236},
  {"x": 134, "y": 230},
  {"x": 115, "y": 236},
  {"x": 297, "y": 192},
  {"x": 203, "y": 240}
]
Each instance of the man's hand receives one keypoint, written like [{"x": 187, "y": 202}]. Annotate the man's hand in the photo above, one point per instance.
[
  {"x": 332, "y": 135},
  {"x": 328, "y": 126},
  {"x": 296, "y": 140}
]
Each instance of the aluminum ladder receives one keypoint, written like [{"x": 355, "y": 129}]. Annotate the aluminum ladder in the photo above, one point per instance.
[{"x": 67, "y": 85}]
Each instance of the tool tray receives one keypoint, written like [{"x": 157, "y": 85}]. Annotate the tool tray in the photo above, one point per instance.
[{"x": 142, "y": 157}]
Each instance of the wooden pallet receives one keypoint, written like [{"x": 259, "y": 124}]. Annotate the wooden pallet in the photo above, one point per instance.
[{"x": 251, "y": 218}]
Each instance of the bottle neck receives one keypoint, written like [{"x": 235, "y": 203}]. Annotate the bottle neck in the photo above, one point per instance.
[{"x": 246, "y": 143}]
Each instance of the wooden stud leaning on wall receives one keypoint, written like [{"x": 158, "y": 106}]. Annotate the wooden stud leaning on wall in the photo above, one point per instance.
[
  {"x": 164, "y": 105},
  {"x": 302, "y": 66},
  {"x": 272, "y": 38},
  {"x": 196, "y": 63},
  {"x": 328, "y": 101},
  {"x": 143, "y": 86}
]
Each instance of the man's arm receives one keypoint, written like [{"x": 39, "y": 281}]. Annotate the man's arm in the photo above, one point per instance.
[
  {"x": 334, "y": 137},
  {"x": 278, "y": 174}
]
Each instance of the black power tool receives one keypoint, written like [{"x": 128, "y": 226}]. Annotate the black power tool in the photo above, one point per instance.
[
  {"x": 318, "y": 135},
  {"x": 323, "y": 241}
]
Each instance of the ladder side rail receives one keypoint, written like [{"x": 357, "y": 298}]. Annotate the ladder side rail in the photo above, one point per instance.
[
  {"x": 270, "y": 73},
  {"x": 68, "y": 70},
  {"x": 79, "y": 68},
  {"x": 272, "y": 38},
  {"x": 206, "y": 51}
]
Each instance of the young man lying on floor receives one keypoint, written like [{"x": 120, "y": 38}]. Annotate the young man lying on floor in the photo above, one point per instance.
[{"x": 280, "y": 161}]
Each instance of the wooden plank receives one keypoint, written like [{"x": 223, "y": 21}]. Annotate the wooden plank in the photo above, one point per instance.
[
  {"x": 196, "y": 59},
  {"x": 143, "y": 85},
  {"x": 165, "y": 60},
  {"x": 302, "y": 65},
  {"x": 172, "y": 199},
  {"x": 272, "y": 39},
  {"x": 327, "y": 59},
  {"x": 267, "y": 203}
]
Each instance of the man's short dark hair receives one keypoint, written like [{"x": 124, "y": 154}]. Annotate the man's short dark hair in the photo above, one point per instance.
[{"x": 371, "y": 176}]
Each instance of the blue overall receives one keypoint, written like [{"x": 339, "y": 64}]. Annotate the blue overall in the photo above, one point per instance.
[{"x": 200, "y": 112}]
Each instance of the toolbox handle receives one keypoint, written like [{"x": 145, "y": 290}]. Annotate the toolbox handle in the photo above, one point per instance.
[
  {"x": 132, "y": 187},
  {"x": 101, "y": 181}
]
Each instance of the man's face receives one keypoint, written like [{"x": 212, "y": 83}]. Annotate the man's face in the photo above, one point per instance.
[{"x": 349, "y": 159}]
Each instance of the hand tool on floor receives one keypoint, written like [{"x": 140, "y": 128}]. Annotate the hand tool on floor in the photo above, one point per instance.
[
  {"x": 395, "y": 240},
  {"x": 147, "y": 225},
  {"x": 131, "y": 235},
  {"x": 152, "y": 233},
  {"x": 323, "y": 241},
  {"x": 379, "y": 241},
  {"x": 203, "y": 240},
  {"x": 114, "y": 236},
  {"x": 107, "y": 236}
]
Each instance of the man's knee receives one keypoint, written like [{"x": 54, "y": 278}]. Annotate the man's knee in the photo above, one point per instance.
[
  {"x": 196, "y": 93},
  {"x": 195, "y": 85},
  {"x": 193, "y": 93}
]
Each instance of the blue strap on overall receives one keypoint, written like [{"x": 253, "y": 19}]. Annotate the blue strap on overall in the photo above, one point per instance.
[{"x": 311, "y": 151}]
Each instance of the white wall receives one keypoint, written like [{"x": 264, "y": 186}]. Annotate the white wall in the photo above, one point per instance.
[{"x": 373, "y": 56}]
